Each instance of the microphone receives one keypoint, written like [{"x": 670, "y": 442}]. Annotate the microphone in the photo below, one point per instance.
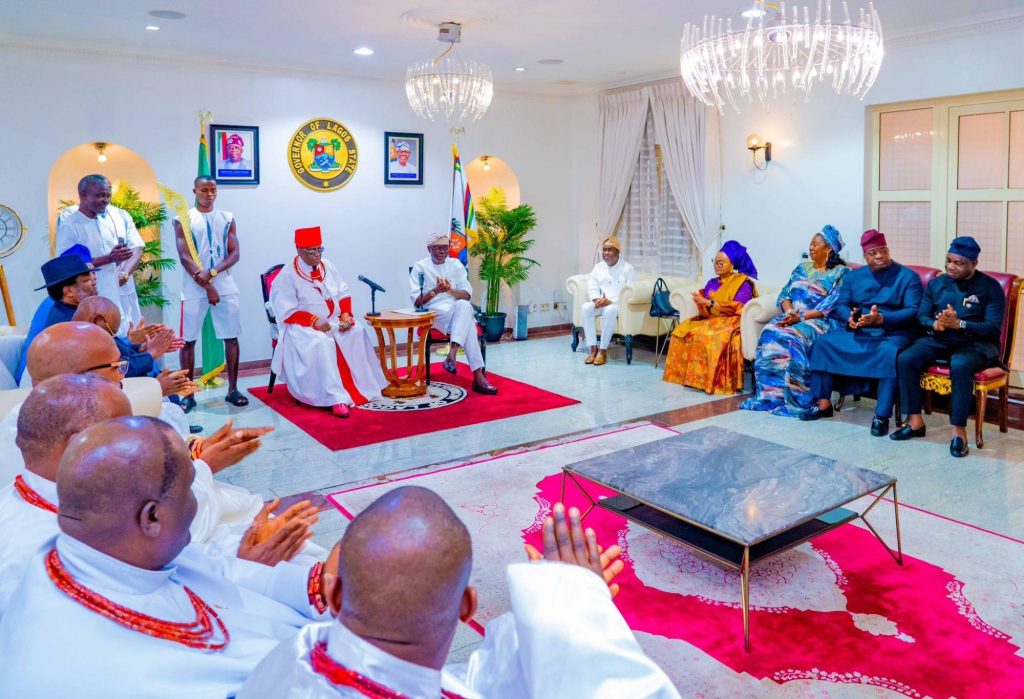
[
  {"x": 370, "y": 283},
  {"x": 421, "y": 308}
]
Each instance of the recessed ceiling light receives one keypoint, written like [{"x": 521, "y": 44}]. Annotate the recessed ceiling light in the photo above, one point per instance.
[
  {"x": 753, "y": 13},
  {"x": 152, "y": 28},
  {"x": 520, "y": 69},
  {"x": 167, "y": 14},
  {"x": 550, "y": 61},
  {"x": 363, "y": 51}
]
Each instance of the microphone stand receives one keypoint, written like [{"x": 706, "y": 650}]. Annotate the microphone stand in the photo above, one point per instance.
[
  {"x": 421, "y": 308},
  {"x": 373, "y": 303}
]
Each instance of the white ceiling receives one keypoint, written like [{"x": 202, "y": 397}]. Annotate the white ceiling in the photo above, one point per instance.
[{"x": 602, "y": 42}]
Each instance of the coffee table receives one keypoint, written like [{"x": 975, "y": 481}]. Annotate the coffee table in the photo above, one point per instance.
[
  {"x": 733, "y": 498},
  {"x": 410, "y": 381}
]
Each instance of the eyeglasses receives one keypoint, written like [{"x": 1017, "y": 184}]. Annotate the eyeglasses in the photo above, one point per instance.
[
  {"x": 107, "y": 326},
  {"x": 121, "y": 366},
  {"x": 310, "y": 251},
  {"x": 439, "y": 248}
]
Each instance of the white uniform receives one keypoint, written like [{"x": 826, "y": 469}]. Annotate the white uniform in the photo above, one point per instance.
[
  {"x": 563, "y": 638},
  {"x": 100, "y": 235},
  {"x": 322, "y": 369},
  {"x": 455, "y": 317},
  {"x": 259, "y": 606},
  {"x": 607, "y": 281},
  {"x": 209, "y": 232}
]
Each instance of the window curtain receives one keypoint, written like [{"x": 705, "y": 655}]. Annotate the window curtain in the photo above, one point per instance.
[
  {"x": 621, "y": 127},
  {"x": 687, "y": 132}
]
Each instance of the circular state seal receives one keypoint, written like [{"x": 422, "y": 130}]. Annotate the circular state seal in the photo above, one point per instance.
[{"x": 323, "y": 155}]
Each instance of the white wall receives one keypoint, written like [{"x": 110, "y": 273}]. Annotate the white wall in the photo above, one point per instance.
[
  {"x": 817, "y": 173},
  {"x": 56, "y": 100}
]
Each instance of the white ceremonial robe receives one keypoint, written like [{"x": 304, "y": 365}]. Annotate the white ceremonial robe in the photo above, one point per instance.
[
  {"x": 100, "y": 235},
  {"x": 23, "y": 529},
  {"x": 608, "y": 282},
  {"x": 455, "y": 317},
  {"x": 52, "y": 646},
  {"x": 307, "y": 359},
  {"x": 563, "y": 638}
]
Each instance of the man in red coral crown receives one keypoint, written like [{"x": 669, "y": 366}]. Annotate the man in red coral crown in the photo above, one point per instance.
[{"x": 324, "y": 355}]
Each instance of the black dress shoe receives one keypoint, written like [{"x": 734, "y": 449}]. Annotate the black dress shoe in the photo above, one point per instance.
[
  {"x": 906, "y": 432},
  {"x": 188, "y": 403},
  {"x": 958, "y": 447},
  {"x": 816, "y": 413},
  {"x": 879, "y": 426}
]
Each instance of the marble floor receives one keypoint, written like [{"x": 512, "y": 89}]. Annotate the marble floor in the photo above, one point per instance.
[{"x": 986, "y": 489}]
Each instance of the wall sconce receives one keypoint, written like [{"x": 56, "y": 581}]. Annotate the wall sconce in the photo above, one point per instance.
[
  {"x": 754, "y": 144},
  {"x": 484, "y": 159},
  {"x": 100, "y": 147}
]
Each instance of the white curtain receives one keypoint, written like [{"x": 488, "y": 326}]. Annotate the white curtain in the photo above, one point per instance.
[
  {"x": 621, "y": 127},
  {"x": 688, "y": 135}
]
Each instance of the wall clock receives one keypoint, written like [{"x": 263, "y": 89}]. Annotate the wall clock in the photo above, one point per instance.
[{"x": 12, "y": 231}]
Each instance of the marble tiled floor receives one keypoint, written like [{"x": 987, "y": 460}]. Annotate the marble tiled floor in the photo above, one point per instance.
[{"x": 985, "y": 489}]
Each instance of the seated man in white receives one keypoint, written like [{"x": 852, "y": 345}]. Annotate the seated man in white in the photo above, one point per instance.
[
  {"x": 324, "y": 355},
  {"x": 446, "y": 291},
  {"x": 402, "y": 589},
  {"x": 57, "y": 410},
  {"x": 606, "y": 281},
  {"x": 128, "y": 607}
]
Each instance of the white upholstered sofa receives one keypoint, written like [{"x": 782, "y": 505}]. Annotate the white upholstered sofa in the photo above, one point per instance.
[{"x": 634, "y": 307}]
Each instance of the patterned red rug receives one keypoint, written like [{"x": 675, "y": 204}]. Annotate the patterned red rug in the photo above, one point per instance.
[
  {"x": 834, "y": 618},
  {"x": 450, "y": 404}
]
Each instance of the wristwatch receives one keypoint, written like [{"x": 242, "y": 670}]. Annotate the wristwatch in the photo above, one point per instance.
[
  {"x": 213, "y": 272},
  {"x": 963, "y": 324}
]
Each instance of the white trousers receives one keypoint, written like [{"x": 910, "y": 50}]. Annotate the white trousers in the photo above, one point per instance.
[
  {"x": 609, "y": 314},
  {"x": 459, "y": 323}
]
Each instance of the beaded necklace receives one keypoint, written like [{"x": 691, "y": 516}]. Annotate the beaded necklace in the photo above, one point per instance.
[
  {"x": 316, "y": 276},
  {"x": 337, "y": 674},
  {"x": 29, "y": 495},
  {"x": 196, "y": 634}
]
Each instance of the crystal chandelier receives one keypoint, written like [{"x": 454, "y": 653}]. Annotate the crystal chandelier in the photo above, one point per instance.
[
  {"x": 772, "y": 56},
  {"x": 448, "y": 88}
]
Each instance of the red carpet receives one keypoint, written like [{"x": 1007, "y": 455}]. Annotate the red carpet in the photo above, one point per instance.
[{"x": 369, "y": 427}]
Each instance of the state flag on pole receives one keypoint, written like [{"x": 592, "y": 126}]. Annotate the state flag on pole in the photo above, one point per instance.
[
  {"x": 463, "y": 217},
  {"x": 212, "y": 349}
]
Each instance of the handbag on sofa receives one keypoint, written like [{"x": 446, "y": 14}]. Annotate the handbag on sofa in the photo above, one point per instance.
[{"x": 660, "y": 306}]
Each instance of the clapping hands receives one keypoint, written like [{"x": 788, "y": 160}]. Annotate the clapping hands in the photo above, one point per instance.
[
  {"x": 272, "y": 540},
  {"x": 866, "y": 320},
  {"x": 226, "y": 447},
  {"x": 946, "y": 320}
]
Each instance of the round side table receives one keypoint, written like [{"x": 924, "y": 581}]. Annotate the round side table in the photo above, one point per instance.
[{"x": 413, "y": 382}]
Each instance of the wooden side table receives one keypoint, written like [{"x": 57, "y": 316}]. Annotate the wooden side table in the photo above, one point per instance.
[{"x": 413, "y": 383}]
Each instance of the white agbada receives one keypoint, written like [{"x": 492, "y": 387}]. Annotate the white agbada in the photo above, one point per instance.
[
  {"x": 307, "y": 359},
  {"x": 52, "y": 646},
  {"x": 563, "y": 638},
  {"x": 23, "y": 529},
  {"x": 608, "y": 282},
  {"x": 100, "y": 235},
  {"x": 209, "y": 231},
  {"x": 455, "y": 317}
]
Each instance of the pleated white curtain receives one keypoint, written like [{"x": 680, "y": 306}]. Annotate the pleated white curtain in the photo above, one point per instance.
[
  {"x": 621, "y": 127},
  {"x": 687, "y": 132}
]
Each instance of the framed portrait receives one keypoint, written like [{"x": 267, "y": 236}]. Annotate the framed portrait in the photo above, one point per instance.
[
  {"x": 235, "y": 154},
  {"x": 403, "y": 158}
]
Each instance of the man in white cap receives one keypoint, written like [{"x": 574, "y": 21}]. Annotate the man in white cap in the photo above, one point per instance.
[
  {"x": 401, "y": 168},
  {"x": 446, "y": 291},
  {"x": 324, "y": 355},
  {"x": 606, "y": 281}
]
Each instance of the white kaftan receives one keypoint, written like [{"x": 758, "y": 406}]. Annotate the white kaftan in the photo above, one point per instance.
[
  {"x": 209, "y": 232},
  {"x": 455, "y": 317},
  {"x": 100, "y": 235},
  {"x": 52, "y": 646},
  {"x": 563, "y": 638},
  {"x": 321, "y": 369},
  {"x": 608, "y": 282}
]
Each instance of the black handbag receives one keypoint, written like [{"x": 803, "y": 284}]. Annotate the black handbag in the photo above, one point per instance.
[{"x": 660, "y": 306}]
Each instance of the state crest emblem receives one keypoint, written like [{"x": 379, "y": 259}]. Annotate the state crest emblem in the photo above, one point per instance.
[{"x": 323, "y": 155}]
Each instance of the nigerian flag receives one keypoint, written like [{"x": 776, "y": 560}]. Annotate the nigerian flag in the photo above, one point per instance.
[{"x": 212, "y": 348}]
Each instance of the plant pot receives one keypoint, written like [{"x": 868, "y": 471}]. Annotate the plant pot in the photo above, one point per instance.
[{"x": 494, "y": 326}]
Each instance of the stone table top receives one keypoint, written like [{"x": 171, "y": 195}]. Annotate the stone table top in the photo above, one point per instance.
[{"x": 743, "y": 488}]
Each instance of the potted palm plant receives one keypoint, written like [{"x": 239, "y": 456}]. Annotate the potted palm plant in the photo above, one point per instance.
[{"x": 500, "y": 244}]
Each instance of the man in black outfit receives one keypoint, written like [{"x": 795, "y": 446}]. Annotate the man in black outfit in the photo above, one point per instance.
[{"x": 963, "y": 311}]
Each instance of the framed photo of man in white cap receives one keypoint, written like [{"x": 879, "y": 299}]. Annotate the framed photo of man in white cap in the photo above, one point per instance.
[
  {"x": 403, "y": 158},
  {"x": 234, "y": 154}
]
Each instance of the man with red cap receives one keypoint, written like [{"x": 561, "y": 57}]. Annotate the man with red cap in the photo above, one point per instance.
[
  {"x": 324, "y": 355},
  {"x": 879, "y": 304}
]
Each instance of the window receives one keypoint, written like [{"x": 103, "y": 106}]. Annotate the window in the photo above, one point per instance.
[
  {"x": 651, "y": 229},
  {"x": 949, "y": 167}
]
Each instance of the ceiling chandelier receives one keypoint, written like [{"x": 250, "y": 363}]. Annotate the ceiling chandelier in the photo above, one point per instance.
[
  {"x": 772, "y": 55},
  {"x": 448, "y": 88}
]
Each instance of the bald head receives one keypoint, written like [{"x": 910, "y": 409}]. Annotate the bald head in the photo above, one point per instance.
[
  {"x": 99, "y": 310},
  {"x": 69, "y": 348},
  {"x": 58, "y": 409},
  {"x": 124, "y": 488},
  {"x": 404, "y": 570}
]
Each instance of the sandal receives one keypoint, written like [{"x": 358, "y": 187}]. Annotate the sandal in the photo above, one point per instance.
[
  {"x": 237, "y": 399},
  {"x": 449, "y": 365}
]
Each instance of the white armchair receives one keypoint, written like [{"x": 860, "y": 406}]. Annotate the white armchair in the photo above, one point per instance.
[
  {"x": 755, "y": 315},
  {"x": 634, "y": 307}
]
